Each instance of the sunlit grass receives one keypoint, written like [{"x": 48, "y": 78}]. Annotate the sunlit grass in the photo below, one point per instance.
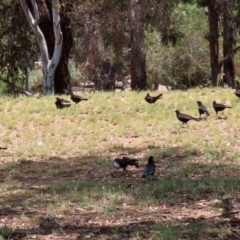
[
  {"x": 108, "y": 116},
  {"x": 126, "y": 114}
]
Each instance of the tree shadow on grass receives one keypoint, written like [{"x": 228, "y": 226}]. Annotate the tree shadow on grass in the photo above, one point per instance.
[
  {"x": 99, "y": 196},
  {"x": 49, "y": 226}
]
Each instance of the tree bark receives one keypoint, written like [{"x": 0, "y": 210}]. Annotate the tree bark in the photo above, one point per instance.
[
  {"x": 137, "y": 41},
  {"x": 228, "y": 44},
  {"x": 62, "y": 75},
  {"x": 213, "y": 41}
]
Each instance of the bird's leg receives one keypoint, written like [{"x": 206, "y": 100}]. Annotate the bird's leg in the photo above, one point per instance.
[{"x": 124, "y": 171}]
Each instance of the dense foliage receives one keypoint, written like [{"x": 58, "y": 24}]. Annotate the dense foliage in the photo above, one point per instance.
[
  {"x": 174, "y": 42},
  {"x": 17, "y": 46}
]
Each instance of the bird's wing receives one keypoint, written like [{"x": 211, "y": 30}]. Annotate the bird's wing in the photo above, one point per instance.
[
  {"x": 64, "y": 101},
  {"x": 66, "y": 104},
  {"x": 203, "y": 108},
  {"x": 117, "y": 163},
  {"x": 185, "y": 116},
  {"x": 130, "y": 161},
  {"x": 133, "y": 162},
  {"x": 149, "y": 169}
]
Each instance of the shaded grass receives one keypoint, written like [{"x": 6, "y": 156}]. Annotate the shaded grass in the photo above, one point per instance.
[{"x": 195, "y": 230}]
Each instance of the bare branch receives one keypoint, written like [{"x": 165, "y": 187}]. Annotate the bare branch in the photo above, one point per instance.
[
  {"x": 224, "y": 59},
  {"x": 36, "y": 12},
  {"x": 19, "y": 89},
  {"x": 229, "y": 55},
  {"x": 37, "y": 31},
  {"x": 236, "y": 49}
]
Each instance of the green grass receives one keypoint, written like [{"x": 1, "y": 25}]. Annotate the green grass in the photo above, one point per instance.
[{"x": 59, "y": 162}]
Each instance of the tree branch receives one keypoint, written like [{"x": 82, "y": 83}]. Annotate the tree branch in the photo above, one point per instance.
[
  {"x": 224, "y": 59},
  {"x": 236, "y": 49},
  {"x": 37, "y": 31},
  {"x": 228, "y": 55},
  {"x": 36, "y": 13},
  {"x": 19, "y": 89}
]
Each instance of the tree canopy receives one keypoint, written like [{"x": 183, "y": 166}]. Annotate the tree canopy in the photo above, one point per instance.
[{"x": 111, "y": 41}]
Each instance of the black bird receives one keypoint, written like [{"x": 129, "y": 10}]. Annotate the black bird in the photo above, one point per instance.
[
  {"x": 202, "y": 109},
  {"x": 218, "y": 107},
  {"x": 77, "y": 99},
  {"x": 124, "y": 162},
  {"x": 152, "y": 99},
  {"x": 237, "y": 85},
  {"x": 62, "y": 103},
  {"x": 150, "y": 168},
  {"x": 237, "y": 92},
  {"x": 184, "y": 118}
]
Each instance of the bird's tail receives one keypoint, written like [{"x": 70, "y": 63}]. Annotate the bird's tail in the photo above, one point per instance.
[
  {"x": 85, "y": 99},
  {"x": 158, "y": 96},
  {"x": 207, "y": 113},
  {"x": 228, "y": 106},
  {"x": 133, "y": 162},
  {"x": 196, "y": 119}
]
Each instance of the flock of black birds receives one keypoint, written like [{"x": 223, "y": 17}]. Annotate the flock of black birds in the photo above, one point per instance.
[
  {"x": 184, "y": 118},
  {"x": 150, "y": 168},
  {"x": 118, "y": 162},
  {"x": 218, "y": 107},
  {"x": 62, "y": 103}
]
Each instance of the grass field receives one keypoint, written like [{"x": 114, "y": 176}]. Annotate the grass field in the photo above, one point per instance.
[{"x": 57, "y": 180}]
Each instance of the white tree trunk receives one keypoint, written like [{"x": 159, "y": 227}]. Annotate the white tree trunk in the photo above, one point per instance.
[{"x": 49, "y": 65}]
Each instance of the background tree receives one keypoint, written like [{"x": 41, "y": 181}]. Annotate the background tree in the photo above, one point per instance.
[
  {"x": 113, "y": 34},
  {"x": 17, "y": 50},
  {"x": 102, "y": 39},
  {"x": 137, "y": 16},
  {"x": 50, "y": 23},
  {"x": 228, "y": 44},
  {"x": 213, "y": 37},
  {"x": 221, "y": 12}
]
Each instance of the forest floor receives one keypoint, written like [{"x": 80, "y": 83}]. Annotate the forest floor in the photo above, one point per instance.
[{"x": 57, "y": 180}]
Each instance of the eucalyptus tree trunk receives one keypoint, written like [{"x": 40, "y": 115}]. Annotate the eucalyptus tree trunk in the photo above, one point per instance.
[
  {"x": 44, "y": 18},
  {"x": 228, "y": 44},
  {"x": 137, "y": 41},
  {"x": 214, "y": 41}
]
